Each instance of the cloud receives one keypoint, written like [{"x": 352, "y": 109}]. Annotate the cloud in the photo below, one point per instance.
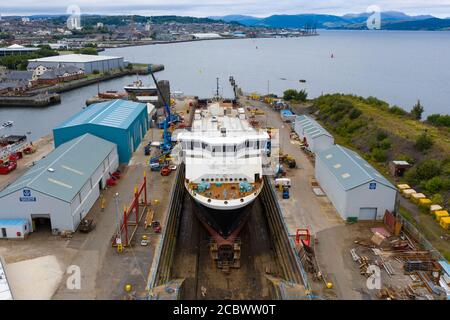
[{"x": 223, "y": 7}]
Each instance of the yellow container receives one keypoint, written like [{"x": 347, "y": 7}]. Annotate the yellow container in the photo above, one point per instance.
[
  {"x": 441, "y": 214},
  {"x": 425, "y": 203},
  {"x": 403, "y": 187},
  {"x": 415, "y": 197},
  {"x": 435, "y": 207},
  {"x": 408, "y": 192},
  {"x": 445, "y": 223}
]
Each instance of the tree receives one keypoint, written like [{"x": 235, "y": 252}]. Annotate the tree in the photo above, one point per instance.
[
  {"x": 292, "y": 94},
  {"x": 417, "y": 111},
  {"x": 289, "y": 94}
]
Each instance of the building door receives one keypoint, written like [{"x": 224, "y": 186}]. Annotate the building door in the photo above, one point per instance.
[
  {"x": 367, "y": 213},
  {"x": 3, "y": 232}
]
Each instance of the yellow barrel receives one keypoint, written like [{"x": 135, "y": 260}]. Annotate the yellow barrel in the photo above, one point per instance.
[
  {"x": 445, "y": 223},
  {"x": 415, "y": 197},
  {"x": 441, "y": 214},
  {"x": 424, "y": 203}
]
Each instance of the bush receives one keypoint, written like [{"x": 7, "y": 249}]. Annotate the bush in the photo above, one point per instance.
[
  {"x": 379, "y": 155},
  {"x": 381, "y": 135},
  {"x": 355, "y": 113},
  {"x": 398, "y": 111},
  {"x": 385, "y": 144},
  {"x": 437, "y": 199},
  {"x": 423, "y": 142},
  {"x": 439, "y": 120},
  {"x": 434, "y": 185},
  {"x": 95, "y": 71},
  {"x": 428, "y": 169}
]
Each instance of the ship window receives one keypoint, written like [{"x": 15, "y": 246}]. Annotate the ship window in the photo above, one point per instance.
[
  {"x": 207, "y": 179},
  {"x": 247, "y": 143},
  {"x": 257, "y": 144},
  {"x": 204, "y": 145},
  {"x": 245, "y": 179},
  {"x": 197, "y": 144},
  {"x": 240, "y": 179},
  {"x": 213, "y": 149},
  {"x": 231, "y": 148},
  {"x": 203, "y": 179},
  {"x": 221, "y": 179},
  {"x": 212, "y": 179},
  {"x": 192, "y": 145},
  {"x": 226, "y": 202}
]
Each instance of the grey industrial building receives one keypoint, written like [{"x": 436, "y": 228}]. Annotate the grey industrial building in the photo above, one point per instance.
[
  {"x": 61, "y": 188},
  {"x": 16, "y": 49},
  {"x": 88, "y": 63},
  {"x": 354, "y": 187},
  {"x": 312, "y": 134}
]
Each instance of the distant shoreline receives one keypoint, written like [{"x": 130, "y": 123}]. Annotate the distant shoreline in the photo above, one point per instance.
[{"x": 193, "y": 40}]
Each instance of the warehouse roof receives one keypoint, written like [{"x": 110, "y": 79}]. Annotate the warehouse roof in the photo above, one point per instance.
[
  {"x": 74, "y": 58},
  {"x": 349, "y": 168},
  {"x": 16, "y": 48},
  {"x": 312, "y": 126},
  {"x": 114, "y": 113},
  {"x": 63, "y": 172}
]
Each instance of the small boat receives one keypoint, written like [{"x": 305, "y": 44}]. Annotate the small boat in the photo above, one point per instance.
[
  {"x": 138, "y": 88},
  {"x": 332, "y": 56},
  {"x": 302, "y": 81},
  {"x": 8, "y": 124}
]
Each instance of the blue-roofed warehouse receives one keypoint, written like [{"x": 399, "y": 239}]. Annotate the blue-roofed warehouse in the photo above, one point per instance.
[
  {"x": 122, "y": 122},
  {"x": 60, "y": 189},
  {"x": 355, "y": 188}
]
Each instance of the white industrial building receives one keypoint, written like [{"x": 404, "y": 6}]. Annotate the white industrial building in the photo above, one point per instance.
[
  {"x": 88, "y": 63},
  {"x": 61, "y": 188},
  {"x": 354, "y": 187},
  {"x": 312, "y": 134}
]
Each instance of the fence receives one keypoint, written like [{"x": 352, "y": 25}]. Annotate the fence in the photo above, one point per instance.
[{"x": 420, "y": 238}]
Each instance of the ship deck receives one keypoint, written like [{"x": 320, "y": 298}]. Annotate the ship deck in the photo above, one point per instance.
[{"x": 225, "y": 191}]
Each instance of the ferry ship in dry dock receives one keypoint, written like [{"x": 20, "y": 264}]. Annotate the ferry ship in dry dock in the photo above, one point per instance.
[{"x": 224, "y": 158}]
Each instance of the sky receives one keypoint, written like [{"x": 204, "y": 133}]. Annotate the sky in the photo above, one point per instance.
[{"x": 204, "y": 8}]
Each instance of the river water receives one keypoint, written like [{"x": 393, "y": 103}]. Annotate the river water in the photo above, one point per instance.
[{"x": 397, "y": 66}]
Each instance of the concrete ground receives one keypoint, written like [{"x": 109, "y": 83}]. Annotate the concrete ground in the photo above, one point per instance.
[{"x": 104, "y": 272}]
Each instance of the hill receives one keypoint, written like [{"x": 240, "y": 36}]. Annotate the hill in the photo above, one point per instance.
[
  {"x": 381, "y": 133},
  {"x": 391, "y": 20}
]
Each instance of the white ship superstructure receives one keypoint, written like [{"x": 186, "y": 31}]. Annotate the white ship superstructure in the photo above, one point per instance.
[{"x": 223, "y": 154}]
